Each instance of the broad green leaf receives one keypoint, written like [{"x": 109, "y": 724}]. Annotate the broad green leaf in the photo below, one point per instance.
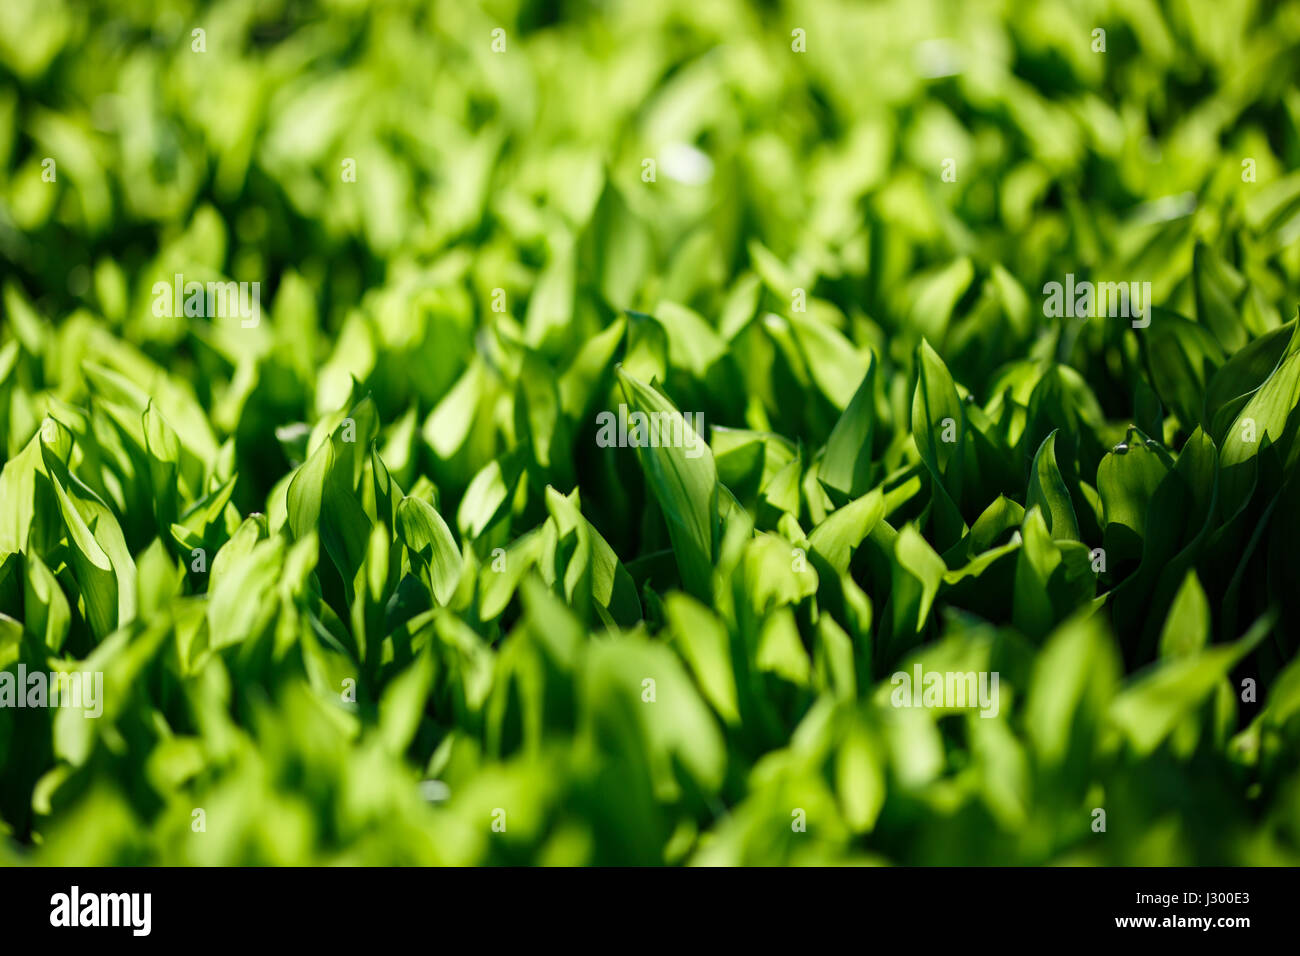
[
  {"x": 702, "y": 640},
  {"x": 1187, "y": 628},
  {"x": 1047, "y": 492},
  {"x": 845, "y": 528},
  {"x": 846, "y": 466},
  {"x": 431, "y": 545},
  {"x": 684, "y": 481}
]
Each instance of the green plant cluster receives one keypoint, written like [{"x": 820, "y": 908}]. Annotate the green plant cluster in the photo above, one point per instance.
[{"x": 363, "y": 586}]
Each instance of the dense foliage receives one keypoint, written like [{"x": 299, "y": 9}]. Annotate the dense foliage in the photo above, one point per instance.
[{"x": 364, "y": 586}]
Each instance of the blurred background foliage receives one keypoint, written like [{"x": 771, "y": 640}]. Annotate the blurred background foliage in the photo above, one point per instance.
[{"x": 396, "y": 487}]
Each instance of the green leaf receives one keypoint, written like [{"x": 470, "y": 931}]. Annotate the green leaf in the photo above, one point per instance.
[
  {"x": 431, "y": 546},
  {"x": 1219, "y": 290},
  {"x": 702, "y": 640},
  {"x": 845, "y": 528},
  {"x": 1127, "y": 479},
  {"x": 1047, "y": 491},
  {"x": 846, "y": 466},
  {"x": 1148, "y": 710},
  {"x": 1183, "y": 357},
  {"x": 684, "y": 481},
  {"x": 1187, "y": 628}
]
